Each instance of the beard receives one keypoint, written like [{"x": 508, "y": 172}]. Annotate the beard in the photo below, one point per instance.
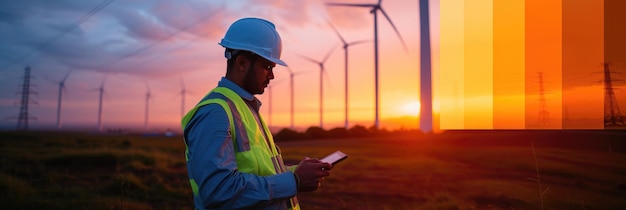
[{"x": 251, "y": 82}]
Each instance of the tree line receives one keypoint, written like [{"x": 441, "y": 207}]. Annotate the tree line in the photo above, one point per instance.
[{"x": 357, "y": 131}]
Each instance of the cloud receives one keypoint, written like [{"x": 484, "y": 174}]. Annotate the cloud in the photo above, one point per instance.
[
  {"x": 140, "y": 37},
  {"x": 353, "y": 18},
  {"x": 142, "y": 25},
  {"x": 289, "y": 12}
]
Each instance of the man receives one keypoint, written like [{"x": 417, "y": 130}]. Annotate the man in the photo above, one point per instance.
[{"x": 232, "y": 160}]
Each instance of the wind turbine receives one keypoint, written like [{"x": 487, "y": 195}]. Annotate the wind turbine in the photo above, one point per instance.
[
  {"x": 291, "y": 98},
  {"x": 291, "y": 75},
  {"x": 269, "y": 95},
  {"x": 345, "y": 50},
  {"x": 322, "y": 72},
  {"x": 183, "y": 92},
  {"x": 375, "y": 8},
  {"x": 148, "y": 96},
  {"x": 269, "y": 104},
  {"x": 426, "y": 97},
  {"x": 61, "y": 90},
  {"x": 291, "y": 87},
  {"x": 101, "y": 90}
]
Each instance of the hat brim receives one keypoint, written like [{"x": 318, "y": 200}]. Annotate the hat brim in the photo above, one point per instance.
[{"x": 276, "y": 61}]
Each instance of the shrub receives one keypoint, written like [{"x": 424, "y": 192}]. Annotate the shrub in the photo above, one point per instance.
[
  {"x": 359, "y": 131},
  {"x": 287, "y": 134},
  {"x": 316, "y": 132},
  {"x": 338, "y": 133}
]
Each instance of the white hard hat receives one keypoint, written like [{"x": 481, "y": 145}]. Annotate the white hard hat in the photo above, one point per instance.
[{"x": 255, "y": 35}]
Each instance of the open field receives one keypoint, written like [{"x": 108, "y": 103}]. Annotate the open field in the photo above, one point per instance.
[{"x": 453, "y": 170}]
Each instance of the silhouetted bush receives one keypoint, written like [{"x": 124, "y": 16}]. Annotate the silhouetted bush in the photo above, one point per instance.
[
  {"x": 338, "y": 133},
  {"x": 287, "y": 134},
  {"x": 384, "y": 132},
  {"x": 316, "y": 132},
  {"x": 359, "y": 131},
  {"x": 373, "y": 130}
]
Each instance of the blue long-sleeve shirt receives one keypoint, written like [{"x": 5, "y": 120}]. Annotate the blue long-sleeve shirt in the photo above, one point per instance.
[{"x": 213, "y": 166}]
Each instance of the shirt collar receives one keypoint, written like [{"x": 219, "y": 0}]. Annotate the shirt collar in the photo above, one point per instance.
[{"x": 225, "y": 82}]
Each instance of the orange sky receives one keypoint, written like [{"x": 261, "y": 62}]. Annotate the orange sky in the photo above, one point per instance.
[
  {"x": 488, "y": 46},
  {"x": 487, "y": 56}
]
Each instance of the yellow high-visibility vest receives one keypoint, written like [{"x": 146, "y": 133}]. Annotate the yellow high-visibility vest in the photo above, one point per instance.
[{"x": 255, "y": 151}]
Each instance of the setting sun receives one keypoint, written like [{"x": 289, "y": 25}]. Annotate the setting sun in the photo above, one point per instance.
[{"x": 412, "y": 108}]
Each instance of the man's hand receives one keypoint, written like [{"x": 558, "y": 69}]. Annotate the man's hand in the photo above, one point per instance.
[{"x": 311, "y": 173}]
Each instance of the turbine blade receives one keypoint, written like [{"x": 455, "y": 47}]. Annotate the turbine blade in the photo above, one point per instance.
[
  {"x": 336, "y": 32},
  {"x": 274, "y": 83},
  {"x": 148, "y": 86},
  {"x": 358, "y": 42},
  {"x": 102, "y": 84},
  {"x": 380, "y": 1},
  {"x": 309, "y": 59},
  {"x": 303, "y": 72},
  {"x": 48, "y": 78},
  {"x": 328, "y": 54},
  {"x": 66, "y": 76},
  {"x": 300, "y": 72},
  {"x": 351, "y": 5},
  {"x": 395, "y": 29},
  {"x": 189, "y": 92}
]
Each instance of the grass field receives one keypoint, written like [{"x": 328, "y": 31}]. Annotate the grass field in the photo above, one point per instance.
[{"x": 453, "y": 170}]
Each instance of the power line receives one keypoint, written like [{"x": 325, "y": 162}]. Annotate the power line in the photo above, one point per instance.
[
  {"x": 140, "y": 50},
  {"x": 612, "y": 114},
  {"x": 77, "y": 23},
  {"x": 66, "y": 30},
  {"x": 543, "y": 113}
]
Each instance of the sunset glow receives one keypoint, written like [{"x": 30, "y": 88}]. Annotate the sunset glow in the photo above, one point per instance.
[
  {"x": 411, "y": 108},
  {"x": 497, "y": 64}
]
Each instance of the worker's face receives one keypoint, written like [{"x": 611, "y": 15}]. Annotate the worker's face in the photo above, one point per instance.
[{"x": 259, "y": 75}]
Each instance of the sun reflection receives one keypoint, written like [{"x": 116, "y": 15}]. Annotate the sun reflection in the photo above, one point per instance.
[{"x": 411, "y": 108}]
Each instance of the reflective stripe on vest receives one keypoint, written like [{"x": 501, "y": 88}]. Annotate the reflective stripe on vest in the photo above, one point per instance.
[{"x": 255, "y": 151}]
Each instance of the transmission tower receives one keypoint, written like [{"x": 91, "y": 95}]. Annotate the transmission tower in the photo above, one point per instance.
[
  {"x": 543, "y": 113},
  {"x": 23, "y": 117},
  {"x": 612, "y": 115}
]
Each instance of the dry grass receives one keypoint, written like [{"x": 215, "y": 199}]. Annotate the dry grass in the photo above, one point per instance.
[{"x": 454, "y": 170}]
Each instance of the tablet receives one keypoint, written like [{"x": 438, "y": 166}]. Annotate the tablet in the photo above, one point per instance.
[{"x": 334, "y": 157}]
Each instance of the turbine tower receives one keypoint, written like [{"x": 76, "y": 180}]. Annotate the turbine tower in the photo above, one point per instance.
[
  {"x": 374, "y": 10},
  {"x": 101, "y": 90},
  {"x": 269, "y": 98},
  {"x": 291, "y": 75},
  {"x": 269, "y": 103},
  {"x": 322, "y": 72},
  {"x": 61, "y": 90},
  {"x": 291, "y": 91},
  {"x": 183, "y": 92},
  {"x": 148, "y": 96},
  {"x": 426, "y": 92},
  {"x": 345, "y": 51}
]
